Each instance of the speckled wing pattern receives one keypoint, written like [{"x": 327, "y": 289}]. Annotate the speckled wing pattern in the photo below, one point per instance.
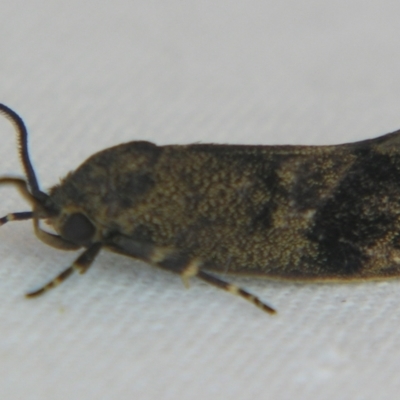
[{"x": 288, "y": 212}]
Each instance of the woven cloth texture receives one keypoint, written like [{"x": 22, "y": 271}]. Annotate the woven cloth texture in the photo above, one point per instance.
[{"x": 86, "y": 75}]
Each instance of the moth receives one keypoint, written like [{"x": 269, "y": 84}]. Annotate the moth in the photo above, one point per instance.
[{"x": 302, "y": 213}]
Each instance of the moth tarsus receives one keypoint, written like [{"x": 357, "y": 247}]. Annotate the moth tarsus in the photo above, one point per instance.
[{"x": 312, "y": 213}]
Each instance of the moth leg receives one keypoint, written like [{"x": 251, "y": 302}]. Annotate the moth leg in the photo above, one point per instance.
[
  {"x": 17, "y": 216},
  {"x": 229, "y": 287},
  {"x": 192, "y": 269},
  {"x": 53, "y": 240},
  {"x": 172, "y": 260},
  {"x": 46, "y": 237},
  {"x": 81, "y": 265},
  {"x": 187, "y": 268},
  {"x": 22, "y": 187}
]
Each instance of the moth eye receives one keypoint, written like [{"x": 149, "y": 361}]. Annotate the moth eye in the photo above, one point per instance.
[{"x": 77, "y": 229}]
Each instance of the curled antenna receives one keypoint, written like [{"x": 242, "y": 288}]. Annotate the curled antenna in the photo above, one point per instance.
[{"x": 23, "y": 152}]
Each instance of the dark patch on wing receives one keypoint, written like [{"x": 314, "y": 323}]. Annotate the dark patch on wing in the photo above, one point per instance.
[
  {"x": 263, "y": 219},
  {"x": 354, "y": 217},
  {"x": 129, "y": 188},
  {"x": 135, "y": 183},
  {"x": 266, "y": 176},
  {"x": 306, "y": 190},
  {"x": 395, "y": 242}
]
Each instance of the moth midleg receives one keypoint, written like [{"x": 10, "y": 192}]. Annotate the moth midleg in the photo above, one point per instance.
[{"x": 81, "y": 264}]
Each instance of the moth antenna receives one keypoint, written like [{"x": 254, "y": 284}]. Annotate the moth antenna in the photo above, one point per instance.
[{"x": 24, "y": 153}]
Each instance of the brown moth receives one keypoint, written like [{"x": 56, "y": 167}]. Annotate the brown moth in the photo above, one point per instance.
[{"x": 286, "y": 212}]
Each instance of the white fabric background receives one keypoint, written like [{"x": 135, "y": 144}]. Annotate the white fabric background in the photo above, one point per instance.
[{"x": 86, "y": 75}]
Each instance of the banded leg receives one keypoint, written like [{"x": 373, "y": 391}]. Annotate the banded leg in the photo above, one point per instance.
[
  {"x": 17, "y": 216},
  {"x": 81, "y": 264},
  {"x": 175, "y": 261},
  {"x": 187, "y": 268},
  {"x": 229, "y": 287}
]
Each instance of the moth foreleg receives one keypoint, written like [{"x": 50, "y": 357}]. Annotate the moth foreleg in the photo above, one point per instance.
[
  {"x": 22, "y": 186},
  {"x": 17, "y": 216},
  {"x": 81, "y": 264},
  {"x": 53, "y": 240}
]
